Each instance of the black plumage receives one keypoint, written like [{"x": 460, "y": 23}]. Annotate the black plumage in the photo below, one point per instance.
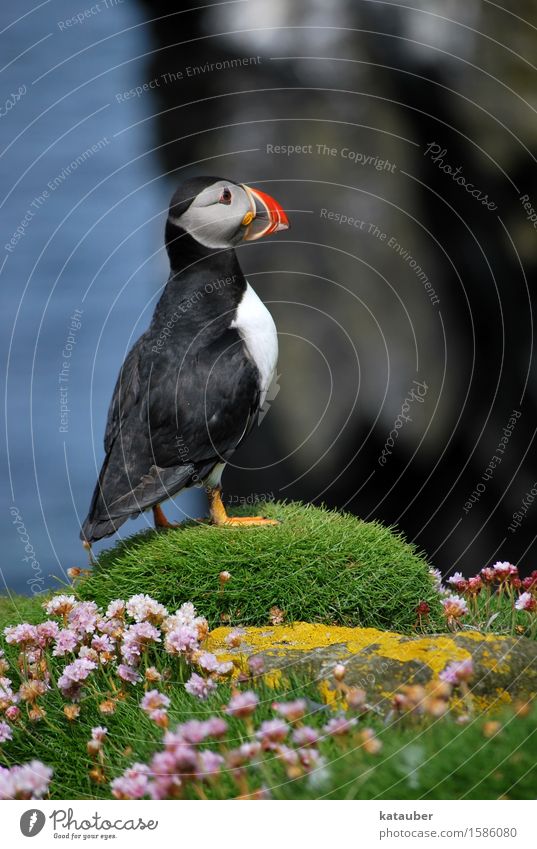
[{"x": 187, "y": 393}]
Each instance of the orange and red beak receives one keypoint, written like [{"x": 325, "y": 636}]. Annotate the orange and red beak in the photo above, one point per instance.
[{"x": 264, "y": 217}]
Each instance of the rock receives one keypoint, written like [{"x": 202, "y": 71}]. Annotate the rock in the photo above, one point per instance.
[{"x": 381, "y": 662}]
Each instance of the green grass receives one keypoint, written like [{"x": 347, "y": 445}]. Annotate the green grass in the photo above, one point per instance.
[
  {"x": 435, "y": 759},
  {"x": 317, "y": 566},
  {"x": 21, "y": 608}
]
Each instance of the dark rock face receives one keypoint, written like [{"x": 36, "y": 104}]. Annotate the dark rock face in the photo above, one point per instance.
[
  {"x": 350, "y": 286},
  {"x": 382, "y": 662}
]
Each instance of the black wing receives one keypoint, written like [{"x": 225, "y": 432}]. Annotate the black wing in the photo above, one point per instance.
[
  {"x": 171, "y": 420},
  {"x": 126, "y": 392}
]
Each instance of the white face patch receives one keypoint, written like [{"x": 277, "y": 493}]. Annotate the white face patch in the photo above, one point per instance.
[
  {"x": 258, "y": 332},
  {"x": 213, "y": 223}
]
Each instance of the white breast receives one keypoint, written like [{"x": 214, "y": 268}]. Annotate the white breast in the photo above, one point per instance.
[{"x": 258, "y": 332}]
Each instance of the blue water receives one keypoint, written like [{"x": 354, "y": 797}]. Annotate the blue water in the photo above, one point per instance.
[{"x": 78, "y": 286}]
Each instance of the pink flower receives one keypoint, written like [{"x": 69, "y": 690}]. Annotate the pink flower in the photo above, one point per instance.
[
  {"x": 5, "y": 732},
  {"x": 133, "y": 784},
  {"x": 287, "y": 756},
  {"x": 200, "y": 687},
  {"x": 487, "y": 575},
  {"x": 135, "y": 638},
  {"x": 73, "y": 675},
  {"x": 311, "y": 760},
  {"x": 436, "y": 575},
  {"x": 13, "y": 713},
  {"x": 143, "y": 632},
  {"x": 28, "y": 781},
  {"x": 339, "y": 725},
  {"x": 356, "y": 698},
  {"x": 458, "y": 671},
  {"x": 99, "y": 733},
  {"x": 234, "y": 638},
  {"x": 256, "y": 664},
  {"x": 102, "y": 642},
  {"x": 128, "y": 673},
  {"x": 292, "y": 711},
  {"x": 242, "y": 704},
  {"x": 160, "y": 717},
  {"x": 273, "y": 731},
  {"x": 530, "y": 583},
  {"x": 458, "y": 582},
  {"x": 525, "y": 601},
  {"x": 90, "y": 654},
  {"x": 454, "y": 607},
  {"x": 60, "y": 605},
  {"x": 115, "y": 609},
  {"x": 245, "y": 754},
  {"x": 208, "y": 661},
  {"x": 193, "y": 732},
  {"x": 475, "y": 585},
  {"x": 215, "y": 727},
  {"x": 185, "y": 615},
  {"x": 143, "y": 607},
  {"x": 305, "y": 736},
  {"x": 152, "y": 701},
  {"x": 181, "y": 640},
  {"x": 6, "y": 693},
  {"x": 66, "y": 641},
  {"x": 183, "y": 758},
  {"x": 21, "y": 635},
  {"x": 47, "y": 633},
  {"x": 83, "y": 617},
  {"x": 504, "y": 570},
  {"x": 112, "y": 627},
  {"x": 209, "y": 763}
]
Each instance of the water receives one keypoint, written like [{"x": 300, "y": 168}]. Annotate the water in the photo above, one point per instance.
[{"x": 80, "y": 278}]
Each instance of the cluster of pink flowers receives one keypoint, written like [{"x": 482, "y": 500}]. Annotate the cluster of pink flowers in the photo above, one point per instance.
[
  {"x": 502, "y": 581},
  {"x": 196, "y": 753},
  {"x": 124, "y": 642}
]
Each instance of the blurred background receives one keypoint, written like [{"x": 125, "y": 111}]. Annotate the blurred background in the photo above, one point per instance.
[{"x": 403, "y": 144}]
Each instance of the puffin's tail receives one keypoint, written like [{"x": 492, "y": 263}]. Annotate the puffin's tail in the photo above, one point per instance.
[{"x": 108, "y": 510}]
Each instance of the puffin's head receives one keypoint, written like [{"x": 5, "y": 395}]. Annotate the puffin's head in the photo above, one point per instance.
[{"x": 219, "y": 214}]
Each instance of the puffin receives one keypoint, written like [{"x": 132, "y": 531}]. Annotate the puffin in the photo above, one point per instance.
[{"x": 191, "y": 387}]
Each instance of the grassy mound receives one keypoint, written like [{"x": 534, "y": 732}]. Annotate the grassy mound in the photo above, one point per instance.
[{"x": 317, "y": 566}]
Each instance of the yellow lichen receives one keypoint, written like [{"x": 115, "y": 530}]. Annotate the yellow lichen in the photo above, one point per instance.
[{"x": 434, "y": 651}]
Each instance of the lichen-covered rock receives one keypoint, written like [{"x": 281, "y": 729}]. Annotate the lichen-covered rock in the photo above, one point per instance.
[{"x": 381, "y": 662}]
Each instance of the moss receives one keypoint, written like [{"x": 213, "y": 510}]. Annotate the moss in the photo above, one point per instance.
[{"x": 318, "y": 565}]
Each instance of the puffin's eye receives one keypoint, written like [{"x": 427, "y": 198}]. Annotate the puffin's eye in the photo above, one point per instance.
[{"x": 225, "y": 197}]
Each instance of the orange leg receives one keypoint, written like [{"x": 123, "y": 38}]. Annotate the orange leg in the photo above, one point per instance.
[
  {"x": 218, "y": 514},
  {"x": 161, "y": 520}
]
